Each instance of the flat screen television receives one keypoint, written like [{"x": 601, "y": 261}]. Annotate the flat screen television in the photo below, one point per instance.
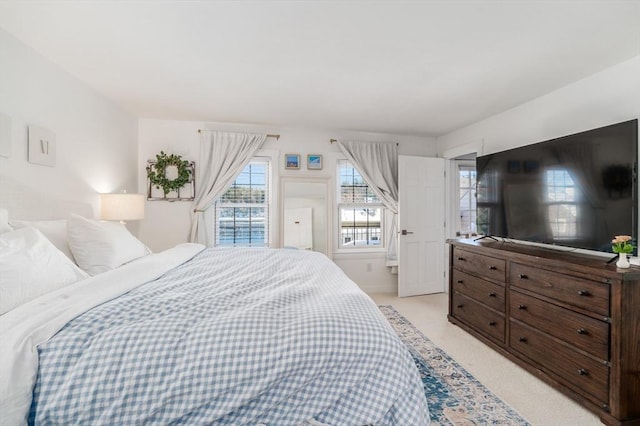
[{"x": 577, "y": 191}]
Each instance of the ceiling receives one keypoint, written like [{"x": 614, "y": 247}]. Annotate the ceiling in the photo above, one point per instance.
[{"x": 400, "y": 67}]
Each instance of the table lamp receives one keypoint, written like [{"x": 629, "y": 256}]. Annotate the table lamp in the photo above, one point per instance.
[{"x": 122, "y": 207}]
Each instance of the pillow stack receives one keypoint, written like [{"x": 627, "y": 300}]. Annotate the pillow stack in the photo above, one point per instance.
[{"x": 37, "y": 257}]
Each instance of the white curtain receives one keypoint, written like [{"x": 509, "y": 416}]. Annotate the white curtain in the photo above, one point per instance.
[
  {"x": 378, "y": 164},
  {"x": 223, "y": 155}
]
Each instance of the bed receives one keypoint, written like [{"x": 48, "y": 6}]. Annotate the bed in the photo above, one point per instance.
[{"x": 196, "y": 335}]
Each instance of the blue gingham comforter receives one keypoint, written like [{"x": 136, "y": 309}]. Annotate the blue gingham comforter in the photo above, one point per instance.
[{"x": 233, "y": 336}]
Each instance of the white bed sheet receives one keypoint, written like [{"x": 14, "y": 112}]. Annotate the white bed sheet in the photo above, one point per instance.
[{"x": 33, "y": 323}]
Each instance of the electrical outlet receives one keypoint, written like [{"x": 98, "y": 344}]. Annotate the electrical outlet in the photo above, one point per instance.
[{"x": 369, "y": 267}]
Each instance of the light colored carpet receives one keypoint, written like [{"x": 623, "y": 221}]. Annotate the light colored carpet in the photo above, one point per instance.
[{"x": 536, "y": 401}]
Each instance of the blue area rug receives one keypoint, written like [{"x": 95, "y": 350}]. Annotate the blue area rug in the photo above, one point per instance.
[{"x": 454, "y": 396}]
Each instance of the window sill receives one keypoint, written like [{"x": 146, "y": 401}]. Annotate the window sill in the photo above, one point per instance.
[{"x": 360, "y": 251}]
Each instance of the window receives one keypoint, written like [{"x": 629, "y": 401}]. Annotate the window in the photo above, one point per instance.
[
  {"x": 562, "y": 207},
  {"x": 242, "y": 212},
  {"x": 467, "y": 199},
  {"x": 360, "y": 212}
]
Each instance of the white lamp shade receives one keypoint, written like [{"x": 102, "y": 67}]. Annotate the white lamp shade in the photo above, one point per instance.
[{"x": 122, "y": 207}]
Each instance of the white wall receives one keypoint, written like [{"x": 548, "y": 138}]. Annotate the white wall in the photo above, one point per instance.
[
  {"x": 607, "y": 97},
  {"x": 96, "y": 140},
  {"x": 168, "y": 223}
]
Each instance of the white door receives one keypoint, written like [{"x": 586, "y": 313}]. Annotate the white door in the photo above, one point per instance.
[{"x": 421, "y": 208}]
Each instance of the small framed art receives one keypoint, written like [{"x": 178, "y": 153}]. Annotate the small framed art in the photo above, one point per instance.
[
  {"x": 314, "y": 162},
  {"x": 292, "y": 161},
  {"x": 42, "y": 146}
]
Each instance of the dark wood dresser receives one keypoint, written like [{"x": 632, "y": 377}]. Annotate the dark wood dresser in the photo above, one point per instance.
[{"x": 571, "y": 319}]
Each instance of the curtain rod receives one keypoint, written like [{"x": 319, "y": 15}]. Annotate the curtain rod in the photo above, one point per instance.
[
  {"x": 269, "y": 136},
  {"x": 336, "y": 140}
]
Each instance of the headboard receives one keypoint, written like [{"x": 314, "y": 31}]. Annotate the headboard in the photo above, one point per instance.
[{"x": 25, "y": 203}]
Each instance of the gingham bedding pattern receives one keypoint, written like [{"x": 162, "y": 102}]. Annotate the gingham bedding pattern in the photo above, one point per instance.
[{"x": 234, "y": 336}]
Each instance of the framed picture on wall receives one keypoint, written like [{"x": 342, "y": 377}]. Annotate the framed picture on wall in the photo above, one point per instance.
[
  {"x": 42, "y": 146},
  {"x": 292, "y": 161},
  {"x": 314, "y": 162}
]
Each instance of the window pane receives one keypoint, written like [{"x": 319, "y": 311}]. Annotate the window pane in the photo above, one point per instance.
[
  {"x": 562, "y": 196},
  {"x": 464, "y": 179},
  {"x": 465, "y": 222},
  {"x": 242, "y": 213},
  {"x": 360, "y": 210},
  {"x": 360, "y": 227},
  {"x": 560, "y": 186},
  {"x": 353, "y": 188},
  {"x": 472, "y": 178},
  {"x": 249, "y": 186},
  {"x": 467, "y": 199},
  {"x": 226, "y": 226},
  {"x": 562, "y": 218},
  {"x": 241, "y": 226}
]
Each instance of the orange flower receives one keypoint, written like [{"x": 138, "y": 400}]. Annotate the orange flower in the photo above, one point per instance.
[
  {"x": 621, "y": 244},
  {"x": 621, "y": 239}
]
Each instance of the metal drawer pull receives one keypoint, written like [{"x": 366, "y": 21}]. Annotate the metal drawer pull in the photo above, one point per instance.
[
  {"x": 460, "y": 258},
  {"x": 582, "y": 331},
  {"x": 583, "y": 293},
  {"x": 492, "y": 323},
  {"x": 522, "y": 307},
  {"x": 460, "y": 281},
  {"x": 492, "y": 294},
  {"x": 460, "y": 305},
  {"x": 583, "y": 372},
  {"x": 493, "y": 268},
  {"x": 523, "y": 276},
  {"x": 522, "y": 339}
]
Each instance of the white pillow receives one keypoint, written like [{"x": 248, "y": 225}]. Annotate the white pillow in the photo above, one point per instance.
[
  {"x": 54, "y": 230},
  {"x": 4, "y": 221},
  {"x": 100, "y": 246},
  {"x": 31, "y": 266}
]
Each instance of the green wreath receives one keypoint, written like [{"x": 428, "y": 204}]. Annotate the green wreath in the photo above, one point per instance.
[{"x": 157, "y": 172}]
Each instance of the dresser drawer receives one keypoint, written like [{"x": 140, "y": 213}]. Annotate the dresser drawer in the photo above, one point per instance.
[
  {"x": 581, "y": 373},
  {"x": 483, "y": 291},
  {"x": 479, "y": 264},
  {"x": 474, "y": 314},
  {"x": 588, "y": 334},
  {"x": 588, "y": 295}
]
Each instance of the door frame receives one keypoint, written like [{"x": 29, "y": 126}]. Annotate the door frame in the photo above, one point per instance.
[{"x": 450, "y": 193}]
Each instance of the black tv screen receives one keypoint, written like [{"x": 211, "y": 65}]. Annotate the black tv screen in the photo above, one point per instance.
[{"x": 578, "y": 190}]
